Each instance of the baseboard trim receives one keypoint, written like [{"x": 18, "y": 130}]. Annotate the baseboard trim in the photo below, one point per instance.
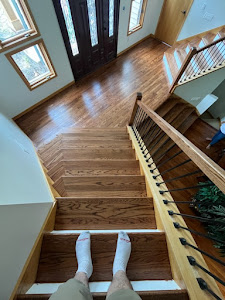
[
  {"x": 200, "y": 35},
  {"x": 135, "y": 44},
  {"x": 42, "y": 101}
]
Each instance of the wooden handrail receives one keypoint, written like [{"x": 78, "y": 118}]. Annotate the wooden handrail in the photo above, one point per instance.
[
  {"x": 183, "y": 68},
  {"x": 138, "y": 98},
  {"x": 189, "y": 57},
  {"x": 210, "y": 45},
  {"x": 213, "y": 171}
]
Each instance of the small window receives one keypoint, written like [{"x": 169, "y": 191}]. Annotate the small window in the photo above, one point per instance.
[
  {"x": 33, "y": 64},
  {"x": 16, "y": 23},
  {"x": 111, "y": 17},
  {"x": 137, "y": 13}
]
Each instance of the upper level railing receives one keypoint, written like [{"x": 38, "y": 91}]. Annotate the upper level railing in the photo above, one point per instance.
[
  {"x": 172, "y": 160},
  {"x": 200, "y": 62}
]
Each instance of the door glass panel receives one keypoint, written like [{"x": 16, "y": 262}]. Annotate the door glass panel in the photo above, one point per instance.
[
  {"x": 111, "y": 17},
  {"x": 69, "y": 26},
  {"x": 92, "y": 22}
]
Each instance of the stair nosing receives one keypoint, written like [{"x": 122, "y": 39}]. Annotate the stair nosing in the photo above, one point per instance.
[
  {"x": 170, "y": 285},
  {"x": 104, "y": 231}
]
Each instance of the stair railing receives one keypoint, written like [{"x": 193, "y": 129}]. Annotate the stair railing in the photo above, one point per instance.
[
  {"x": 165, "y": 151},
  {"x": 200, "y": 62}
]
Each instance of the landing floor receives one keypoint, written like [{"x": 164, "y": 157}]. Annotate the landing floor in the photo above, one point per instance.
[{"x": 104, "y": 98}]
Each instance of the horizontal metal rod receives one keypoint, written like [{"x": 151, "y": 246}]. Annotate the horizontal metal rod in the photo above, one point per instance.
[
  {"x": 171, "y": 213},
  {"x": 177, "y": 166},
  {"x": 178, "y": 202},
  {"x": 193, "y": 262},
  {"x": 185, "y": 243},
  {"x": 165, "y": 161},
  {"x": 186, "y": 188},
  {"x": 178, "y": 226},
  {"x": 178, "y": 177}
]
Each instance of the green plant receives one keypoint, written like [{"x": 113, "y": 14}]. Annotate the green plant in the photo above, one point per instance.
[{"x": 210, "y": 203}]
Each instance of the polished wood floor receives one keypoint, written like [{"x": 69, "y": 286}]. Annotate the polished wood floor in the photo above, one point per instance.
[{"x": 104, "y": 98}]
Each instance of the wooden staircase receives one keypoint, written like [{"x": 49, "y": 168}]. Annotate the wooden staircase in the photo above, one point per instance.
[
  {"x": 103, "y": 190},
  {"x": 175, "y": 56}
]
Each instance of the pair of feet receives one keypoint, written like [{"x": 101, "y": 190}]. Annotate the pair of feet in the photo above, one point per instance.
[{"x": 83, "y": 253}]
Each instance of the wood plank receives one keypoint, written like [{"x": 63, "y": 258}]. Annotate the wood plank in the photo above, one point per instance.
[
  {"x": 149, "y": 258},
  {"x": 77, "y": 143},
  {"x": 208, "y": 166},
  {"x": 104, "y": 186},
  {"x": 104, "y": 213},
  {"x": 102, "y": 167},
  {"x": 99, "y": 153},
  {"x": 183, "y": 273},
  {"x": 94, "y": 167},
  {"x": 150, "y": 295}
]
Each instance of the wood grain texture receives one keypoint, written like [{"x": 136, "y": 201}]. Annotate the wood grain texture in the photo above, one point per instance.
[
  {"x": 93, "y": 167},
  {"x": 104, "y": 98},
  {"x": 104, "y": 213},
  {"x": 150, "y": 295},
  {"x": 208, "y": 166},
  {"x": 99, "y": 153},
  {"x": 104, "y": 186},
  {"x": 149, "y": 257},
  {"x": 184, "y": 274}
]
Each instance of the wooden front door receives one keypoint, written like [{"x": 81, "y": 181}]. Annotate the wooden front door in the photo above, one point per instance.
[
  {"x": 90, "y": 30},
  {"x": 173, "y": 15}
]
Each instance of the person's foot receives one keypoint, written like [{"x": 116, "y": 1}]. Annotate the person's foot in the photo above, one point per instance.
[
  {"x": 208, "y": 139},
  {"x": 83, "y": 253},
  {"x": 123, "y": 251},
  {"x": 208, "y": 147}
]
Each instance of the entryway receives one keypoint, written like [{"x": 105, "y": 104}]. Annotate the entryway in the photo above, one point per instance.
[{"x": 89, "y": 29}]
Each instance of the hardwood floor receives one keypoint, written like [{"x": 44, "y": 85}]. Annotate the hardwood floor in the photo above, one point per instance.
[{"x": 104, "y": 98}]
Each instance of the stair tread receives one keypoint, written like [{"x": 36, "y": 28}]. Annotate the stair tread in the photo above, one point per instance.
[
  {"x": 70, "y": 142},
  {"x": 94, "y": 167},
  {"x": 100, "y": 186},
  {"x": 99, "y": 153},
  {"x": 105, "y": 213},
  {"x": 164, "y": 108},
  {"x": 149, "y": 259},
  {"x": 96, "y": 129},
  {"x": 154, "y": 295}
]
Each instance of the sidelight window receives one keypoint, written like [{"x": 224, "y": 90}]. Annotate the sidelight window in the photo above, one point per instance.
[
  {"x": 92, "y": 22},
  {"x": 16, "y": 23},
  {"x": 111, "y": 17},
  {"x": 33, "y": 64},
  {"x": 69, "y": 26},
  {"x": 137, "y": 13}
]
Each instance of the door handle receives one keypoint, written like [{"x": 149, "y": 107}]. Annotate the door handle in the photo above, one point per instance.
[{"x": 183, "y": 12}]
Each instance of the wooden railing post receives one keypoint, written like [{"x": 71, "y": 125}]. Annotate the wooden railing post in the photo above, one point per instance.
[
  {"x": 183, "y": 68},
  {"x": 138, "y": 98}
]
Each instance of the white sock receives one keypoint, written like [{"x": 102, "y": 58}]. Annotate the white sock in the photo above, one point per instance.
[
  {"x": 123, "y": 251},
  {"x": 83, "y": 253}
]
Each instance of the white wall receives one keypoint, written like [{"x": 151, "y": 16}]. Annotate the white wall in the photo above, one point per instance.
[
  {"x": 25, "y": 202},
  {"x": 203, "y": 16},
  {"x": 218, "y": 109},
  {"x": 152, "y": 14},
  {"x": 22, "y": 179},
  {"x": 200, "y": 87},
  {"x": 15, "y": 96}
]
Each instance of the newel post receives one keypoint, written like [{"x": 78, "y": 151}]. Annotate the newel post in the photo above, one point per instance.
[{"x": 138, "y": 98}]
